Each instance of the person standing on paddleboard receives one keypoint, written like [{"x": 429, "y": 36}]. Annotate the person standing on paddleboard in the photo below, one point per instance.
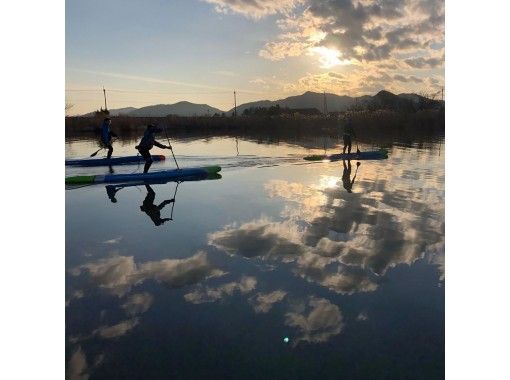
[
  {"x": 147, "y": 143},
  {"x": 106, "y": 136},
  {"x": 348, "y": 135}
]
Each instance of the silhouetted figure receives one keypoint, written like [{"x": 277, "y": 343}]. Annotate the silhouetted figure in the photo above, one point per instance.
[
  {"x": 346, "y": 176},
  {"x": 151, "y": 209},
  {"x": 106, "y": 136},
  {"x": 348, "y": 135},
  {"x": 111, "y": 191},
  {"x": 147, "y": 143}
]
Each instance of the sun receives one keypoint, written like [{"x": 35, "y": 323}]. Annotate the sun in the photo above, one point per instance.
[{"x": 328, "y": 57}]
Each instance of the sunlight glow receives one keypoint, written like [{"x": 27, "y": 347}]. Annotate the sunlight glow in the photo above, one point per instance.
[
  {"x": 329, "y": 57},
  {"x": 328, "y": 182}
]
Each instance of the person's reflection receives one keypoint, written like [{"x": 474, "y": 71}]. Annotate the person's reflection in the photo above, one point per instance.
[
  {"x": 153, "y": 211},
  {"x": 111, "y": 191},
  {"x": 346, "y": 176}
]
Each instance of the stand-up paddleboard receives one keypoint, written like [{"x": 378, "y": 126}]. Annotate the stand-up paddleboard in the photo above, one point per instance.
[
  {"x": 112, "y": 161},
  {"x": 372, "y": 155},
  {"x": 175, "y": 174}
]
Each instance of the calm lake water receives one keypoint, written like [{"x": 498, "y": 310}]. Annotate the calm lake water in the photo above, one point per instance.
[{"x": 274, "y": 271}]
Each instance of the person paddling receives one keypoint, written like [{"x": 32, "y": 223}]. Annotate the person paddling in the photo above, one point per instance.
[
  {"x": 106, "y": 136},
  {"x": 147, "y": 143},
  {"x": 348, "y": 135}
]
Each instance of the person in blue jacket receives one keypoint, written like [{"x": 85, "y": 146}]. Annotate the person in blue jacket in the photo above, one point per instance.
[
  {"x": 147, "y": 143},
  {"x": 106, "y": 136}
]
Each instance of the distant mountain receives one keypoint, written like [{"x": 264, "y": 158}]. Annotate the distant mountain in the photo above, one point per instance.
[
  {"x": 335, "y": 103},
  {"x": 180, "y": 109},
  {"x": 308, "y": 100},
  {"x": 161, "y": 110},
  {"x": 115, "y": 112},
  {"x": 402, "y": 102},
  {"x": 339, "y": 103}
]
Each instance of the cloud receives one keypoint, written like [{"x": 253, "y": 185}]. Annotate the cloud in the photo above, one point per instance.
[
  {"x": 362, "y": 79},
  {"x": 362, "y": 316},
  {"x": 403, "y": 78},
  {"x": 119, "y": 329},
  {"x": 207, "y": 294},
  {"x": 421, "y": 62},
  {"x": 138, "y": 303},
  {"x": 276, "y": 51},
  {"x": 260, "y": 238},
  {"x": 346, "y": 280},
  {"x": 391, "y": 35},
  {"x": 112, "y": 273},
  {"x": 77, "y": 366},
  {"x": 113, "y": 241},
  {"x": 226, "y": 73},
  {"x": 77, "y": 294},
  {"x": 119, "y": 273},
  {"x": 345, "y": 243},
  {"x": 323, "y": 321},
  {"x": 263, "y": 302},
  {"x": 139, "y": 78},
  {"x": 254, "y": 8}
]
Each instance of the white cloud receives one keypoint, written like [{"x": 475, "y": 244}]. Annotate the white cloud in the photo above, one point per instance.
[
  {"x": 207, "y": 294},
  {"x": 263, "y": 302},
  {"x": 254, "y": 8},
  {"x": 138, "y": 303},
  {"x": 119, "y": 329},
  {"x": 119, "y": 273},
  {"x": 323, "y": 321},
  {"x": 77, "y": 366}
]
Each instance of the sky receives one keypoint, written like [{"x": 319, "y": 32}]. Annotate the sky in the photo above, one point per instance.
[{"x": 147, "y": 52}]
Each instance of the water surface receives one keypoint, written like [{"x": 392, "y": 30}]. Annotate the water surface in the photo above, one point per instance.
[{"x": 280, "y": 269}]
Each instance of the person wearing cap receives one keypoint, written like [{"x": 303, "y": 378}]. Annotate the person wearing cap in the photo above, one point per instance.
[
  {"x": 106, "y": 136},
  {"x": 147, "y": 143}
]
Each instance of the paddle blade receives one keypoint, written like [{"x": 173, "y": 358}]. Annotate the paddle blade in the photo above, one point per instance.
[{"x": 96, "y": 152}]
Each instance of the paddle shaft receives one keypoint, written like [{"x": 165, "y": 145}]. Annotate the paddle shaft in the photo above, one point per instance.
[
  {"x": 173, "y": 204},
  {"x": 171, "y": 149}
]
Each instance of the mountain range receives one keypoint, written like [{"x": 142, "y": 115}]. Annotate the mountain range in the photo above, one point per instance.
[{"x": 334, "y": 103}]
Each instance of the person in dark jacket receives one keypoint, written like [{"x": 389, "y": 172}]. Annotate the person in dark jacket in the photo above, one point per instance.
[
  {"x": 348, "y": 135},
  {"x": 147, "y": 143},
  {"x": 106, "y": 136}
]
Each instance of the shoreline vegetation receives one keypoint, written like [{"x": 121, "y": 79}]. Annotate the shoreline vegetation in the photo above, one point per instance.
[{"x": 383, "y": 126}]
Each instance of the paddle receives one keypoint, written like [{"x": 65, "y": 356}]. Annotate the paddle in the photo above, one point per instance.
[
  {"x": 96, "y": 152},
  {"x": 100, "y": 149},
  {"x": 170, "y": 145},
  {"x": 173, "y": 203},
  {"x": 357, "y": 148}
]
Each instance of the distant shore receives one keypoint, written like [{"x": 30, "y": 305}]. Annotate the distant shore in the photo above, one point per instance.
[{"x": 382, "y": 125}]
